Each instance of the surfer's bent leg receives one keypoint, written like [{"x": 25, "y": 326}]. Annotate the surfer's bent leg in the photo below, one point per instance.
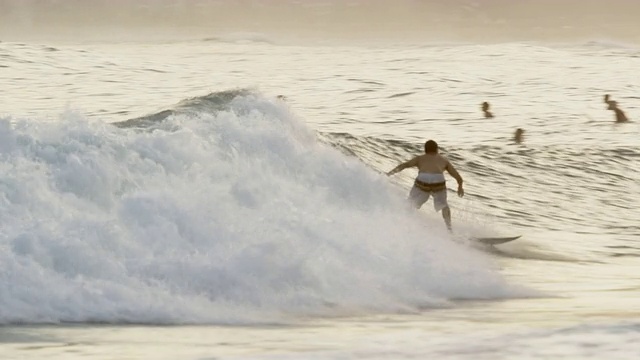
[
  {"x": 440, "y": 203},
  {"x": 418, "y": 197}
]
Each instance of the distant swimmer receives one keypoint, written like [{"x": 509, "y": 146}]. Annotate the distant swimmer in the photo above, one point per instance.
[
  {"x": 485, "y": 110},
  {"x": 431, "y": 180},
  {"x": 613, "y": 105},
  {"x": 519, "y": 136},
  {"x": 281, "y": 97}
]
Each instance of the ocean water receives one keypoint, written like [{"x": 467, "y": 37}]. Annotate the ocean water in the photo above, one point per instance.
[{"x": 159, "y": 200}]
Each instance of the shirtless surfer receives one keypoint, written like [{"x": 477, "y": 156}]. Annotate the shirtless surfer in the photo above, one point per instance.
[
  {"x": 485, "y": 110},
  {"x": 613, "y": 105},
  {"x": 518, "y": 136},
  {"x": 430, "y": 180}
]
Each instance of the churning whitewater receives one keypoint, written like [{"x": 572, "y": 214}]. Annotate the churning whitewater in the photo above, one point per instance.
[{"x": 224, "y": 209}]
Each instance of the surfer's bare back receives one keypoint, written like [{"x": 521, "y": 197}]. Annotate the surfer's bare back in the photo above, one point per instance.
[{"x": 430, "y": 180}]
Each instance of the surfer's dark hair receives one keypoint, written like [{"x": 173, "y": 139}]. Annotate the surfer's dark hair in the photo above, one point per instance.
[{"x": 431, "y": 147}]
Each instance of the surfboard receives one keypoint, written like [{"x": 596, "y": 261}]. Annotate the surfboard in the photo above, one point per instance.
[{"x": 496, "y": 240}]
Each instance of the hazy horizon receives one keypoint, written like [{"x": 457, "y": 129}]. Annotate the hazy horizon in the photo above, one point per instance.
[{"x": 428, "y": 20}]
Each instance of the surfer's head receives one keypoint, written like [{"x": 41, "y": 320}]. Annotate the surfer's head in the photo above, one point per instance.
[
  {"x": 431, "y": 147},
  {"x": 485, "y": 110},
  {"x": 518, "y": 136}
]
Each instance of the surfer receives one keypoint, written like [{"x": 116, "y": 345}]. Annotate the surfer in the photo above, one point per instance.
[
  {"x": 431, "y": 180},
  {"x": 613, "y": 105},
  {"x": 518, "y": 137},
  {"x": 485, "y": 110}
]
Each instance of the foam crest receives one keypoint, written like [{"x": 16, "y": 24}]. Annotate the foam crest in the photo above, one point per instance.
[{"x": 230, "y": 216}]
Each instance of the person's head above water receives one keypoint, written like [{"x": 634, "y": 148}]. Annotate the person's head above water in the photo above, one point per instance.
[
  {"x": 612, "y": 104},
  {"x": 518, "y": 135},
  {"x": 485, "y": 110},
  {"x": 431, "y": 147}
]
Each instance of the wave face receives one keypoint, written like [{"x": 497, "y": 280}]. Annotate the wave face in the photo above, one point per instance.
[
  {"x": 223, "y": 209},
  {"x": 430, "y": 20}
]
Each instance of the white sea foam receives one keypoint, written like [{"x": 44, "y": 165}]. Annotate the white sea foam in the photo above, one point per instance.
[{"x": 235, "y": 216}]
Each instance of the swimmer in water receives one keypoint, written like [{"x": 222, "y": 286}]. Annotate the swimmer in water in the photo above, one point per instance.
[
  {"x": 613, "y": 105},
  {"x": 485, "y": 110},
  {"x": 518, "y": 137}
]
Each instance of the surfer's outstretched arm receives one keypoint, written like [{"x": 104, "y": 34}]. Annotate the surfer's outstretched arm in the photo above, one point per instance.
[
  {"x": 451, "y": 170},
  {"x": 411, "y": 163}
]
